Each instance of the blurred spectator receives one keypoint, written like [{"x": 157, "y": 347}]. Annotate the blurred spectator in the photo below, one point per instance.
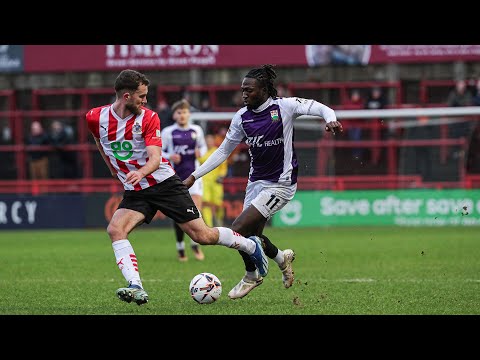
[
  {"x": 476, "y": 96},
  {"x": 237, "y": 100},
  {"x": 376, "y": 99},
  {"x": 164, "y": 113},
  {"x": 64, "y": 162},
  {"x": 282, "y": 91},
  {"x": 38, "y": 159},
  {"x": 8, "y": 169},
  {"x": 420, "y": 160},
  {"x": 5, "y": 135},
  {"x": 187, "y": 95},
  {"x": 473, "y": 157},
  {"x": 460, "y": 96},
  {"x": 205, "y": 104},
  {"x": 354, "y": 129}
]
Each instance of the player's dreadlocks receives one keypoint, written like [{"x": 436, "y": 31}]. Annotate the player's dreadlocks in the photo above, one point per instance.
[{"x": 265, "y": 76}]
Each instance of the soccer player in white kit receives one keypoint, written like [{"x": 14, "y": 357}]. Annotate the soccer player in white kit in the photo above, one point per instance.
[
  {"x": 266, "y": 125},
  {"x": 128, "y": 137},
  {"x": 182, "y": 144}
]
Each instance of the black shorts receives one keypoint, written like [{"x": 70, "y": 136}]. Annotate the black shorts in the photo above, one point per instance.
[{"x": 171, "y": 197}]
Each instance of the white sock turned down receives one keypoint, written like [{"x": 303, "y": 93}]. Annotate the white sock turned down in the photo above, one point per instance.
[
  {"x": 127, "y": 261},
  {"x": 232, "y": 239}
]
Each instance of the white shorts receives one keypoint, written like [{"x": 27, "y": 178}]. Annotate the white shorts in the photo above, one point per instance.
[
  {"x": 268, "y": 197},
  {"x": 196, "y": 188}
]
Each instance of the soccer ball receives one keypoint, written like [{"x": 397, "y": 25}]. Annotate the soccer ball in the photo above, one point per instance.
[{"x": 205, "y": 288}]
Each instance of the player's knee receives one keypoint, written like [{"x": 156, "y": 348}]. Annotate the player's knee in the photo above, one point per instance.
[
  {"x": 205, "y": 236},
  {"x": 114, "y": 231}
]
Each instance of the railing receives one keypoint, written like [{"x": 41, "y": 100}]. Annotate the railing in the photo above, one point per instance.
[
  {"x": 324, "y": 146},
  {"x": 235, "y": 185}
]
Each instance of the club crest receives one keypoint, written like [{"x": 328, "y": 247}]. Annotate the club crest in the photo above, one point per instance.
[
  {"x": 274, "y": 115},
  {"x": 137, "y": 128}
]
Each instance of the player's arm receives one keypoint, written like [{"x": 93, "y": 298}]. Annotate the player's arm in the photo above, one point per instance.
[
  {"x": 234, "y": 136},
  {"x": 154, "y": 154},
  {"x": 213, "y": 161},
  {"x": 315, "y": 108},
  {"x": 105, "y": 158}
]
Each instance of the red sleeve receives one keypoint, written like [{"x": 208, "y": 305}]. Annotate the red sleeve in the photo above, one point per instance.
[
  {"x": 151, "y": 129},
  {"x": 93, "y": 122}
]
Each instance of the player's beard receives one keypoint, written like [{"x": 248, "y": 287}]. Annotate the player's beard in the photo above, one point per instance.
[{"x": 133, "y": 109}]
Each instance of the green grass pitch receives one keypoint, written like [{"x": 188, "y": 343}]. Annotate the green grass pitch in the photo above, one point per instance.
[{"x": 341, "y": 270}]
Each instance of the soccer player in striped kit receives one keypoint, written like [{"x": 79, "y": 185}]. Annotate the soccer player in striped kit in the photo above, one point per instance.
[
  {"x": 266, "y": 125},
  {"x": 128, "y": 137},
  {"x": 182, "y": 144}
]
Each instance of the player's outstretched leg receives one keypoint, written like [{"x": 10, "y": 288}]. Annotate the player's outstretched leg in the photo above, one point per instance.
[
  {"x": 283, "y": 259},
  {"x": 258, "y": 257},
  {"x": 133, "y": 293},
  {"x": 286, "y": 268},
  {"x": 244, "y": 287},
  {"x": 250, "y": 280}
]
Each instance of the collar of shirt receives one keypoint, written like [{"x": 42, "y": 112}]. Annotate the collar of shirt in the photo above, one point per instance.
[{"x": 264, "y": 105}]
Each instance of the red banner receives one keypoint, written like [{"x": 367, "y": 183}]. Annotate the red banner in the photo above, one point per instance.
[
  {"x": 55, "y": 58},
  {"x": 424, "y": 53},
  {"x": 39, "y": 58}
]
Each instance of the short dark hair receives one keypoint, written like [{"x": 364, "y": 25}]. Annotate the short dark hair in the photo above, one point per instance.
[
  {"x": 265, "y": 76},
  {"x": 130, "y": 80},
  {"x": 181, "y": 104}
]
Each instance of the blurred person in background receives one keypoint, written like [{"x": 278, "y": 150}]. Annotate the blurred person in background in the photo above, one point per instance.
[
  {"x": 205, "y": 104},
  {"x": 476, "y": 96},
  {"x": 376, "y": 99},
  {"x": 213, "y": 211},
  {"x": 354, "y": 132},
  {"x": 182, "y": 144},
  {"x": 127, "y": 135},
  {"x": 188, "y": 96},
  {"x": 64, "y": 162},
  {"x": 39, "y": 167},
  {"x": 460, "y": 95},
  {"x": 237, "y": 100},
  {"x": 265, "y": 123},
  {"x": 164, "y": 113}
]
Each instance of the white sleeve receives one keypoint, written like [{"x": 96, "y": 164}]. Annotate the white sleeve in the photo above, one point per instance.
[
  {"x": 301, "y": 106},
  {"x": 201, "y": 143},
  {"x": 166, "y": 141},
  {"x": 217, "y": 157}
]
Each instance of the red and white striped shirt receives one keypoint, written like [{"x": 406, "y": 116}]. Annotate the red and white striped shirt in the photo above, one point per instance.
[{"x": 125, "y": 142}]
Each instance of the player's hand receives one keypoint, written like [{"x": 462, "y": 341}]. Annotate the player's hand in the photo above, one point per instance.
[
  {"x": 189, "y": 181},
  {"x": 134, "y": 177},
  {"x": 334, "y": 127},
  {"x": 176, "y": 158},
  {"x": 197, "y": 153}
]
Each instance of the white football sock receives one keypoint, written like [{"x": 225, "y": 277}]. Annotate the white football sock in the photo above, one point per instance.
[
  {"x": 279, "y": 258},
  {"x": 232, "y": 239},
  {"x": 181, "y": 245},
  {"x": 127, "y": 261},
  {"x": 252, "y": 274}
]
